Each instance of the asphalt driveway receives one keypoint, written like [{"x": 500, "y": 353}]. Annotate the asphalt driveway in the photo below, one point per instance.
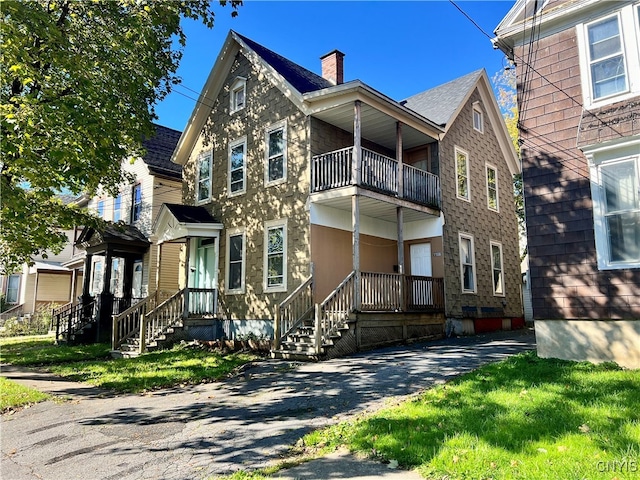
[{"x": 244, "y": 423}]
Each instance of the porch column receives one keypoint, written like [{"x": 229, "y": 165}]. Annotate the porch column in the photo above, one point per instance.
[
  {"x": 127, "y": 281},
  {"x": 400, "y": 222},
  {"x": 400, "y": 160},
  {"x": 35, "y": 292},
  {"x": 86, "y": 278},
  {"x": 355, "y": 224},
  {"x": 158, "y": 262},
  {"x": 105, "y": 323},
  {"x": 185, "y": 313},
  {"x": 356, "y": 174}
]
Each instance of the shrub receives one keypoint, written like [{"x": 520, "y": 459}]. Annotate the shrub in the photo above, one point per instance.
[{"x": 36, "y": 324}]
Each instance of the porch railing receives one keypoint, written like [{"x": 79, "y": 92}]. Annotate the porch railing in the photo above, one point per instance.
[
  {"x": 377, "y": 172},
  {"x": 169, "y": 313},
  {"x": 381, "y": 291},
  {"x": 294, "y": 310},
  {"x": 15, "y": 311},
  {"x": 331, "y": 314},
  {"x": 127, "y": 324},
  {"x": 203, "y": 301},
  {"x": 424, "y": 293},
  {"x": 71, "y": 319}
]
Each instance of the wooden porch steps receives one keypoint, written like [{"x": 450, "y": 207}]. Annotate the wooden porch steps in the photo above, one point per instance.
[
  {"x": 300, "y": 344},
  {"x": 131, "y": 347}
]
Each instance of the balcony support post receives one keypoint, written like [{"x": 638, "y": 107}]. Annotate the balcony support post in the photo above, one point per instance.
[
  {"x": 356, "y": 174},
  {"x": 187, "y": 268},
  {"x": 355, "y": 224},
  {"x": 399, "y": 159},
  {"x": 400, "y": 224}
]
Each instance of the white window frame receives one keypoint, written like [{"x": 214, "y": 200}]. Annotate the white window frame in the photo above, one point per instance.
[
  {"x": 477, "y": 113},
  {"x": 200, "y": 158},
  {"x": 458, "y": 151},
  {"x": 239, "y": 85},
  {"x": 234, "y": 233},
  {"x": 466, "y": 236},
  {"x": 495, "y": 267},
  {"x": 117, "y": 207},
  {"x": 282, "y": 125},
  {"x": 241, "y": 141},
  {"x": 598, "y": 159},
  {"x": 17, "y": 289},
  {"x": 629, "y": 36},
  {"x": 272, "y": 224},
  {"x": 100, "y": 208},
  {"x": 134, "y": 204},
  {"x": 488, "y": 167}
]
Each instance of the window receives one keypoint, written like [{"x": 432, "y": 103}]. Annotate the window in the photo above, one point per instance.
[
  {"x": 276, "y": 154},
  {"x": 497, "y": 269},
  {"x": 204, "y": 177},
  {"x": 117, "y": 205},
  {"x": 492, "y": 187},
  {"x": 462, "y": 175},
  {"x": 275, "y": 268},
  {"x": 609, "y": 57},
  {"x": 235, "y": 261},
  {"x": 13, "y": 285},
  {"x": 606, "y": 58},
  {"x": 100, "y": 208},
  {"x": 467, "y": 263},
  {"x": 136, "y": 204},
  {"x": 238, "y": 94},
  {"x": 96, "y": 277},
  {"x": 478, "y": 120},
  {"x": 237, "y": 171},
  {"x": 616, "y": 193}
]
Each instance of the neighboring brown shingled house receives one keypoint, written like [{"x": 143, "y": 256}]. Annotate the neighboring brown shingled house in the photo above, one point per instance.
[{"x": 578, "y": 77}]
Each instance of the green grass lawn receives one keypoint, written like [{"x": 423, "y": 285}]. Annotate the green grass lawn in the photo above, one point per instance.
[
  {"x": 38, "y": 350},
  {"x": 13, "y": 395},
  {"x": 524, "y": 418}
]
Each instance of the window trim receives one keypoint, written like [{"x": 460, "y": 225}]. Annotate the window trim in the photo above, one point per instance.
[
  {"x": 240, "y": 83},
  {"x": 200, "y": 157},
  {"x": 477, "y": 110},
  {"x": 134, "y": 204},
  {"x": 493, "y": 243},
  {"x": 629, "y": 32},
  {"x": 282, "y": 125},
  {"x": 458, "y": 151},
  {"x": 466, "y": 236},
  {"x": 487, "y": 167},
  {"x": 603, "y": 246},
  {"x": 234, "y": 233},
  {"x": 232, "y": 145},
  {"x": 117, "y": 201},
  {"x": 271, "y": 224},
  {"x": 17, "y": 289},
  {"x": 100, "y": 208}
]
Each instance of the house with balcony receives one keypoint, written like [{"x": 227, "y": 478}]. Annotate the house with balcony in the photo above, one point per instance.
[
  {"x": 578, "y": 76},
  {"x": 116, "y": 267},
  {"x": 338, "y": 217}
]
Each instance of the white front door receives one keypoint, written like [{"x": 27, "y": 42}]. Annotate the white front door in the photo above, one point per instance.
[{"x": 420, "y": 254}]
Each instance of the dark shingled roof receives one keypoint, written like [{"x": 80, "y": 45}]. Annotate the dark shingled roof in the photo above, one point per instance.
[
  {"x": 159, "y": 148},
  {"x": 440, "y": 103},
  {"x": 300, "y": 78},
  {"x": 190, "y": 214}
]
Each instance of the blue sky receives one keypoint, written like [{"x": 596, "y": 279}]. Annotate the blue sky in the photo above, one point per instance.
[{"x": 398, "y": 48}]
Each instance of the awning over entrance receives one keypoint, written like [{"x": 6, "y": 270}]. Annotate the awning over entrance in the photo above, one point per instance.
[
  {"x": 178, "y": 222},
  {"x": 118, "y": 238}
]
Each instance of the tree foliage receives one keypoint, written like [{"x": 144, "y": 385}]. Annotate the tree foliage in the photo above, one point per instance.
[{"x": 79, "y": 82}]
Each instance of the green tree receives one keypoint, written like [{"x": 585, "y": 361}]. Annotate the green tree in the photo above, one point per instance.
[
  {"x": 505, "y": 83},
  {"x": 79, "y": 81}
]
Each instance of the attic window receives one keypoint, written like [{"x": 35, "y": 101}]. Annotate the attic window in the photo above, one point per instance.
[
  {"x": 478, "y": 119},
  {"x": 238, "y": 94}
]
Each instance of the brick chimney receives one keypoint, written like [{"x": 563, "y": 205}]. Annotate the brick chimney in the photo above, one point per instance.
[{"x": 332, "y": 67}]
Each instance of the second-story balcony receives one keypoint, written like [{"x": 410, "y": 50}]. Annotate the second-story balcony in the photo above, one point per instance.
[{"x": 375, "y": 172}]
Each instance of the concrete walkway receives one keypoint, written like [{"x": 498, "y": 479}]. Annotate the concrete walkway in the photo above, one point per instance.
[{"x": 244, "y": 423}]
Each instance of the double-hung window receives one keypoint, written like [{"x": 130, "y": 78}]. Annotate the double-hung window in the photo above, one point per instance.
[
  {"x": 478, "y": 119},
  {"x": 136, "y": 204},
  {"x": 117, "y": 208},
  {"x": 606, "y": 58},
  {"x": 276, "y": 153},
  {"x": 204, "y": 177},
  {"x": 467, "y": 263},
  {"x": 497, "y": 269},
  {"x": 100, "y": 208},
  {"x": 237, "y": 167},
  {"x": 13, "y": 286},
  {"x": 462, "y": 174},
  {"x": 492, "y": 187},
  {"x": 615, "y": 186},
  {"x": 275, "y": 268},
  {"x": 238, "y": 94},
  {"x": 236, "y": 250}
]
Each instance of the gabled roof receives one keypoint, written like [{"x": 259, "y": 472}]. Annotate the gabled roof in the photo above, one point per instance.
[
  {"x": 125, "y": 237},
  {"x": 190, "y": 214},
  {"x": 441, "y": 103},
  {"x": 176, "y": 222},
  {"x": 303, "y": 80},
  {"x": 159, "y": 149}
]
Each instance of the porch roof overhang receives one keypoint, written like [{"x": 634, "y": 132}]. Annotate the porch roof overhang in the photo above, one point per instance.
[
  {"x": 175, "y": 223},
  {"x": 379, "y": 114},
  {"x": 43, "y": 267},
  {"x": 116, "y": 238}
]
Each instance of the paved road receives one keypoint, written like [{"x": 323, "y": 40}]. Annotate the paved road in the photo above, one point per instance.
[{"x": 243, "y": 423}]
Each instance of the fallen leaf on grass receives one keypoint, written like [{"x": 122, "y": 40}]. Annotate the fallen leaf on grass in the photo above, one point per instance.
[
  {"x": 393, "y": 464},
  {"x": 584, "y": 428}
]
